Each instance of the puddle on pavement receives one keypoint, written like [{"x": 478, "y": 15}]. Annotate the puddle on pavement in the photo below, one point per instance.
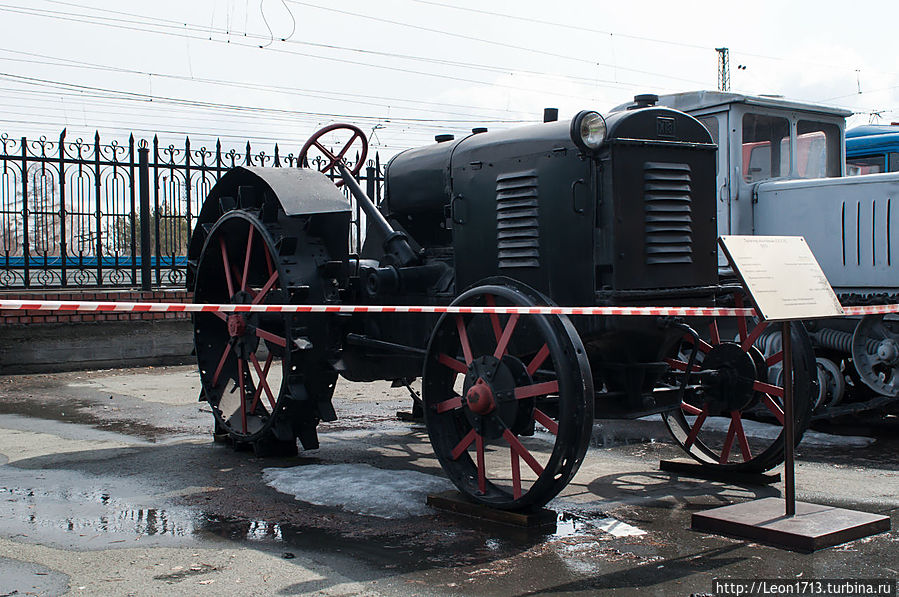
[
  {"x": 26, "y": 578},
  {"x": 78, "y": 511},
  {"x": 453, "y": 541},
  {"x": 71, "y": 510}
]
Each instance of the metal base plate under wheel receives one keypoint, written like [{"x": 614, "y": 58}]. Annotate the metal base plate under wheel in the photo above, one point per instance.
[
  {"x": 244, "y": 359},
  {"x": 499, "y": 390},
  {"x": 747, "y": 358}
]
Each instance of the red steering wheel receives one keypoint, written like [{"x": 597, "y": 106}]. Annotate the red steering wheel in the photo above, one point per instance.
[{"x": 334, "y": 159}]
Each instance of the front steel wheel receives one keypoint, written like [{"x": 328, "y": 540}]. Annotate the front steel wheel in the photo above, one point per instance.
[
  {"x": 745, "y": 359},
  {"x": 499, "y": 390}
]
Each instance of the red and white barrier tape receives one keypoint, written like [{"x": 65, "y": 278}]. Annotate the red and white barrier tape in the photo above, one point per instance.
[
  {"x": 871, "y": 310},
  {"x": 228, "y": 308}
]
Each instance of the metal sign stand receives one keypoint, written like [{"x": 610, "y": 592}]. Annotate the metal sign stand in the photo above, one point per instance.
[{"x": 798, "y": 526}]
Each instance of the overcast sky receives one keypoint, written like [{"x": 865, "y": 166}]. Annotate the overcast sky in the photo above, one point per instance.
[{"x": 406, "y": 70}]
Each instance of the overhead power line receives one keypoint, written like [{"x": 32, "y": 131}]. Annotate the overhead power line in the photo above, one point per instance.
[
  {"x": 576, "y": 27},
  {"x": 136, "y": 96},
  {"x": 200, "y": 34}
]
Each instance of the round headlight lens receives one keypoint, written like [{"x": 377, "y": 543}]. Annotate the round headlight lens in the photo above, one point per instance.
[{"x": 593, "y": 129}]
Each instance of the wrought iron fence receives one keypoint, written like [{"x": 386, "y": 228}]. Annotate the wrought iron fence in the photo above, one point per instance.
[{"x": 71, "y": 210}]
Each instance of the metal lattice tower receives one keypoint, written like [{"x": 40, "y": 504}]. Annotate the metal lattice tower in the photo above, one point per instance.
[{"x": 723, "y": 69}]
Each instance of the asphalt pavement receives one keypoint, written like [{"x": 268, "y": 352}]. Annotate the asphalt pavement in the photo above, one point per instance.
[{"x": 110, "y": 484}]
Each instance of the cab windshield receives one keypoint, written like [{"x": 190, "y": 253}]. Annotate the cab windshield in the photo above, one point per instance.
[{"x": 768, "y": 148}]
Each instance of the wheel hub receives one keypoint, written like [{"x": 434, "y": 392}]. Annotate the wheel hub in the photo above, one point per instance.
[
  {"x": 489, "y": 396},
  {"x": 730, "y": 388},
  {"x": 237, "y": 325},
  {"x": 888, "y": 351},
  {"x": 480, "y": 398}
]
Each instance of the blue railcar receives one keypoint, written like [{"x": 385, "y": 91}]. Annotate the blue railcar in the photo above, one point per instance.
[{"x": 872, "y": 149}]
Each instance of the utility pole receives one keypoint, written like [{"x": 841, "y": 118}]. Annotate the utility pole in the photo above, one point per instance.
[{"x": 723, "y": 69}]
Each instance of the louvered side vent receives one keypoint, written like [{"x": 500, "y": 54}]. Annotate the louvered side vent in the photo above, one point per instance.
[
  {"x": 668, "y": 213},
  {"x": 517, "y": 222}
]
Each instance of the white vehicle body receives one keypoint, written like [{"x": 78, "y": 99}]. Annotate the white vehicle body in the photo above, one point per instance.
[{"x": 781, "y": 171}]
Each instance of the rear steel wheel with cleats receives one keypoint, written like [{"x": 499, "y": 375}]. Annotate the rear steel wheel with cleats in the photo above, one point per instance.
[
  {"x": 508, "y": 400},
  {"x": 243, "y": 357}
]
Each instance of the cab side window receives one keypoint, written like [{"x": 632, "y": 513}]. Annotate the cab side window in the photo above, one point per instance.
[
  {"x": 711, "y": 123},
  {"x": 766, "y": 147},
  {"x": 818, "y": 149}
]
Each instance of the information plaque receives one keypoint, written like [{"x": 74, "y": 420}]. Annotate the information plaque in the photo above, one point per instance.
[
  {"x": 786, "y": 283},
  {"x": 782, "y": 276}
]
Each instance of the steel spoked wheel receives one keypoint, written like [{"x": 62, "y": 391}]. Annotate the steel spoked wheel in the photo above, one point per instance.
[
  {"x": 508, "y": 400},
  {"x": 243, "y": 358},
  {"x": 740, "y": 364}
]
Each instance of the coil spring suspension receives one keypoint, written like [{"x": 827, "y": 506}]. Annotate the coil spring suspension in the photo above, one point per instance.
[{"x": 839, "y": 340}]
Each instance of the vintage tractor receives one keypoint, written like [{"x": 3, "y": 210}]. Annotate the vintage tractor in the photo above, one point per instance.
[{"x": 598, "y": 210}]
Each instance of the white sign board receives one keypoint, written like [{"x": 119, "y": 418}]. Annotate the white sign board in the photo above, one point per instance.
[{"x": 782, "y": 276}]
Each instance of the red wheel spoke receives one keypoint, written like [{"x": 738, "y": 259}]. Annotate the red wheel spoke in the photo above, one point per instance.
[
  {"x": 235, "y": 273},
  {"x": 538, "y": 359},
  {"x": 697, "y": 424},
  {"x": 516, "y": 475},
  {"x": 227, "y": 267},
  {"x": 690, "y": 409},
  {"x": 774, "y": 407},
  {"x": 450, "y": 404},
  {"x": 268, "y": 262},
  {"x": 246, "y": 261},
  {"x": 263, "y": 381},
  {"x": 537, "y": 389},
  {"x": 728, "y": 442},
  {"x": 463, "y": 445},
  {"x": 704, "y": 347},
  {"x": 454, "y": 364},
  {"x": 219, "y": 314},
  {"x": 680, "y": 365},
  {"x": 767, "y": 388},
  {"x": 519, "y": 449},
  {"x": 756, "y": 332},
  {"x": 546, "y": 421},
  {"x": 282, "y": 342},
  {"x": 482, "y": 468},
  {"x": 218, "y": 370},
  {"x": 463, "y": 339},
  {"x": 243, "y": 395},
  {"x": 494, "y": 318},
  {"x": 503, "y": 342},
  {"x": 741, "y": 435},
  {"x": 775, "y": 358},
  {"x": 266, "y": 288},
  {"x": 741, "y": 321},
  {"x": 715, "y": 337}
]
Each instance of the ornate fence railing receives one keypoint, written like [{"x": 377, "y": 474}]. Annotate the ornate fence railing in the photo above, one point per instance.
[{"x": 71, "y": 211}]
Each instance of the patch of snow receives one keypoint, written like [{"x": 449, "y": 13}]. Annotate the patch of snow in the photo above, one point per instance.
[
  {"x": 616, "y": 528},
  {"x": 769, "y": 431},
  {"x": 358, "y": 488},
  {"x": 759, "y": 430}
]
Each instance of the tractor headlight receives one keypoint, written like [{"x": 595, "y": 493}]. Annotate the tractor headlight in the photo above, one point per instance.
[{"x": 588, "y": 130}]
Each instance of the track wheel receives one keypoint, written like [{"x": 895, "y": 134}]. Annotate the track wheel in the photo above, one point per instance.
[
  {"x": 244, "y": 358},
  {"x": 508, "y": 400},
  {"x": 741, "y": 365}
]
